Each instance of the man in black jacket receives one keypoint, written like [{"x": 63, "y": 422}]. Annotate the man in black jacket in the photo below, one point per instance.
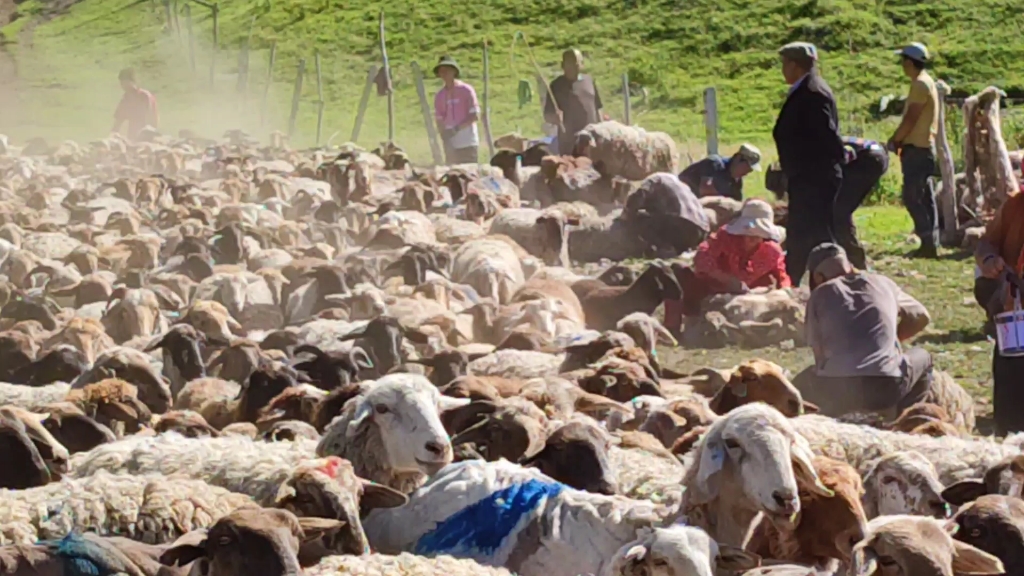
[{"x": 811, "y": 154}]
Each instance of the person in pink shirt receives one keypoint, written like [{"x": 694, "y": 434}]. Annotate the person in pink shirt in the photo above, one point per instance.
[
  {"x": 137, "y": 107},
  {"x": 456, "y": 111}
]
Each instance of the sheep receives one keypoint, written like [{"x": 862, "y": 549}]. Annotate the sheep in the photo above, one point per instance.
[
  {"x": 604, "y": 307},
  {"x": 993, "y": 524},
  {"x": 253, "y": 541},
  {"x": 541, "y": 233},
  {"x": 760, "y": 381},
  {"x": 392, "y": 433},
  {"x": 723, "y": 491},
  {"x": 185, "y": 422},
  {"x": 943, "y": 391},
  {"x": 1004, "y": 478},
  {"x": 62, "y": 363},
  {"x": 182, "y": 359},
  {"x": 77, "y": 432},
  {"x": 955, "y": 459},
  {"x": 827, "y": 527},
  {"x": 402, "y": 565},
  {"x": 904, "y": 483},
  {"x": 133, "y": 367},
  {"x": 490, "y": 266},
  {"x": 517, "y": 364},
  {"x": 548, "y": 528},
  {"x": 85, "y": 553},
  {"x": 918, "y": 545},
  {"x": 32, "y": 397},
  {"x": 627, "y": 151},
  {"x": 20, "y": 450},
  {"x": 113, "y": 403},
  {"x": 255, "y": 393},
  {"x": 154, "y": 509},
  {"x": 576, "y": 454},
  {"x": 136, "y": 313}
]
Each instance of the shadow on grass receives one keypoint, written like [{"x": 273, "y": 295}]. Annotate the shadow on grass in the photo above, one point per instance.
[{"x": 953, "y": 337}]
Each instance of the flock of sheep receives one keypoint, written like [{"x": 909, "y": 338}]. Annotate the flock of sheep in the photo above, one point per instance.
[{"x": 221, "y": 358}]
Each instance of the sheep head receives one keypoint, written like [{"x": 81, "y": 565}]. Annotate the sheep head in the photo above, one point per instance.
[
  {"x": 677, "y": 550},
  {"x": 392, "y": 432},
  {"x": 329, "y": 488},
  {"x": 25, "y": 465},
  {"x": 1005, "y": 478},
  {"x": 905, "y": 483},
  {"x": 993, "y": 524},
  {"x": 761, "y": 381},
  {"x": 917, "y": 545},
  {"x": 749, "y": 462},
  {"x": 576, "y": 454}
]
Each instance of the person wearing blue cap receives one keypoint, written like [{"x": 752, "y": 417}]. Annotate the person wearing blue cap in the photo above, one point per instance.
[
  {"x": 915, "y": 141},
  {"x": 811, "y": 155}
]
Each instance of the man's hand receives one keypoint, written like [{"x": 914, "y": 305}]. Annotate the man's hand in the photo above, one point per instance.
[
  {"x": 992, "y": 267},
  {"x": 892, "y": 145},
  {"x": 707, "y": 188}
]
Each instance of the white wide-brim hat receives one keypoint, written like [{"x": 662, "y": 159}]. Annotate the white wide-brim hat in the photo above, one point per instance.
[{"x": 756, "y": 219}]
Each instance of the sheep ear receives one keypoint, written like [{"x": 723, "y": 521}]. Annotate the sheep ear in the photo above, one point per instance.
[
  {"x": 964, "y": 491},
  {"x": 712, "y": 458},
  {"x": 865, "y": 562},
  {"x": 362, "y": 414},
  {"x": 183, "y": 554},
  {"x": 285, "y": 493},
  {"x": 970, "y": 561},
  {"x": 803, "y": 469},
  {"x": 380, "y": 496},
  {"x": 810, "y": 408},
  {"x": 445, "y": 403},
  {"x": 314, "y": 528},
  {"x": 357, "y": 333},
  {"x": 736, "y": 559},
  {"x": 636, "y": 553}
]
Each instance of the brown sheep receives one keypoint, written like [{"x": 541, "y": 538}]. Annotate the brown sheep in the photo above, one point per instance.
[
  {"x": 187, "y": 423},
  {"x": 825, "y": 528},
  {"x": 24, "y": 465},
  {"x": 295, "y": 403},
  {"x": 918, "y": 545},
  {"x": 687, "y": 442},
  {"x": 576, "y": 454},
  {"x": 994, "y": 524},
  {"x": 918, "y": 414},
  {"x": 253, "y": 541},
  {"x": 77, "y": 432},
  {"x": 761, "y": 381},
  {"x": 113, "y": 403},
  {"x": 604, "y": 307}
]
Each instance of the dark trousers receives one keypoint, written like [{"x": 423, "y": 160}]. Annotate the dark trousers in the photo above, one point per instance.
[
  {"x": 810, "y": 220},
  {"x": 667, "y": 236},
  {"x": 695, "y": 290},
  {"x": 468, "y": 155},
  {"x": 836, "y": 396},
  {"x": 918, "y": 195},
  {"x": 859, "y": 178},
  {"x": 984, "y": 291},
  {"x": 1007, "y": 393}
]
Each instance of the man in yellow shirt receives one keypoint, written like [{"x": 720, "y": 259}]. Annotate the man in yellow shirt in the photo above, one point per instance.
[{"x": 915, "y": 139}]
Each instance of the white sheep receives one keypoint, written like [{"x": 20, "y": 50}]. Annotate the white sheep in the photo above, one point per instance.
[
  {"x": 490, "y": 266},
  {"x": 500, "y": 514},
  {"x": 401, "y": 565},
  {"x": 392, "y": 432},
  {"x": 542, "y": 233},
  {"x": 955, "y": 459},
  {"x": 151, "y": 508},
  {"x": 627, "y": 151},
  {"x": 903, "y": 483},
  {"x": 34, "y": 398},
  {"x": 523, "y": 364}
]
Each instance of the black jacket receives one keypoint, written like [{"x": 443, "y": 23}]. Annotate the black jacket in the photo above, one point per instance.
[{"x": 807, "y": 133}]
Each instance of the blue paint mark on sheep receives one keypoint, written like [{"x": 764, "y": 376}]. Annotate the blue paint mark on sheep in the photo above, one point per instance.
[
  {"x": 482, "y": 527},
  {"x": 82, "y": 557}
]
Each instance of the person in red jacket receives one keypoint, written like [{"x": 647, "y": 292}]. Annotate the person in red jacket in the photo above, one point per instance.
[
  {"x": 743, "y": 254},
  {"x": 137, "y": 107}
]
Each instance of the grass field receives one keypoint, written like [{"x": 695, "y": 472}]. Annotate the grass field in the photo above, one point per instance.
[{"x": 67, "y": 57}]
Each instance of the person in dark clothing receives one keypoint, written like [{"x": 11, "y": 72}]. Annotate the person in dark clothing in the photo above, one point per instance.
[
  {"x": 866, "y": 163},
  {"x": 811, "y": 154},
  {"x": 717, "y": 176},
  {"x": 576, "y": 101},
  {"x": 665, "y": 215}
]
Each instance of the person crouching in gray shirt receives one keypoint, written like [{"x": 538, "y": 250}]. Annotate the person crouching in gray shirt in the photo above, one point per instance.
[{"x": 855, "y": 322}]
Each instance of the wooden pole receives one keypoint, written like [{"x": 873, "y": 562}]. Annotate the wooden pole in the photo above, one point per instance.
[
  {"x": 428, "y": 117},
  {"x": 362, "y": 104},
  {"x": 242, "y": 86},
  {"x": 191, "y": 38},
  {"x": 947, "y": 198},
  {"x": 387, "y": 74},
  {"x": 216, "y": 42},
  {"x": 295, "y": 98},
  {"x": 711, "y": 119},
  {"x": 626, "y": 104},
  {"x": 177, "y": 24},
  {"x": 270, "y": 80},
  {"x": 320, "y": 98},
  {"x": 170, "y": 18},
  {"x": 487, "y": 101}
]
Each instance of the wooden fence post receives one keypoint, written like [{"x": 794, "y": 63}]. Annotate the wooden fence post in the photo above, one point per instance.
[
  {"x": 296, "y": 95},
  {"x": 487, "y": 101},
  {"x": 170, "y": 18},
  {"x": 216, "y": 42},
  {"x": 947, "y": 199},
  {"x": 387, "y": 74},
  {"x": 626, "y": 105},
  {"x": 711, "y": 119},
  {"x": 362, "y": 104},
  {"x": 319, "y": 97},
  {"x": 191, "y": 38},
  {"x": 428, "y": 116},
  {"x": 242, "y": 87},
  {"x": 270, "y": 80}
]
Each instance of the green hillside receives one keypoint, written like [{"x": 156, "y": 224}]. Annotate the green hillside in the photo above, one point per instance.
[{"x": 67, "y": 59}]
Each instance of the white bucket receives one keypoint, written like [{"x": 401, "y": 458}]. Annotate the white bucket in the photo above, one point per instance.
[{"x": 1010, "y": 331}]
